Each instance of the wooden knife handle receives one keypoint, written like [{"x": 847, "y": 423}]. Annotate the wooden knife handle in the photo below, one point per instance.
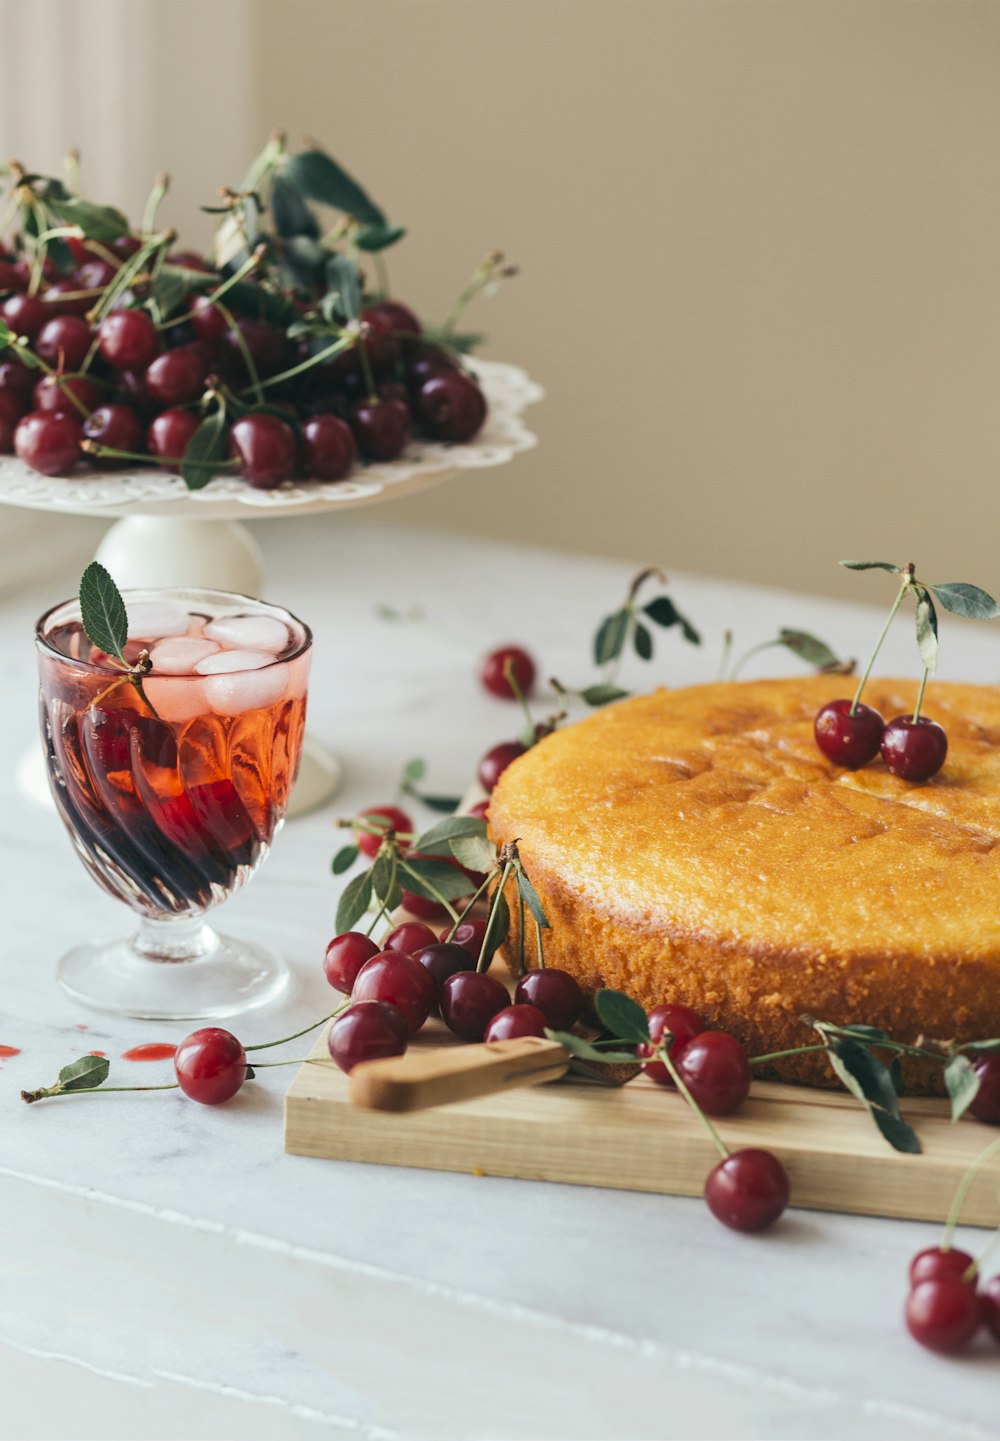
[{"x": 424, "y": 1078}]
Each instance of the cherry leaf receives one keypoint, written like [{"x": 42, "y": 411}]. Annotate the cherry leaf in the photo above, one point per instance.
[
  {"x": 530, "y": 897},
  {"x": 927, "y": 631},
  {"x": 584, "y": 1051},
  {"x": 204, "y": 451},
  {"x": 642, "y": 639},
  {"x": 317, "y": 175},
  {"x": 344, "y": 859},
  {"x": 437, "y": 841},
  {"x": 609, "y": 642},
  {"x": 967, "y": 600},
  {"x": 813, "y": 651},
  {"x": 84, "y": 1074},
  {"x": 622, "y": 1016},
  {"x": 354, "y": 901},
  {"x": 102, "y": 610},
  {"x": 963, "y": 1083},
  {"x": 870, "y": 565}
]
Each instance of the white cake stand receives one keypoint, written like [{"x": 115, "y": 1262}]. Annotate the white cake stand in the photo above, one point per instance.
[{"x": 166, "y": 535}]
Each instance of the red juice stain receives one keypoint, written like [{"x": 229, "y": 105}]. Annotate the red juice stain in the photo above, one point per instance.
[
  {"x": 97, "y": 1053},
  {"x": 81, "y": 1027},
  {"x": 6, "y": 1051},
  {"x": 154, "y": 1051}
]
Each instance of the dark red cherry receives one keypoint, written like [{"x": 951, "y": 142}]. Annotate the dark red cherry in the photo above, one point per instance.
[
  {"x": 469, "y": 935},
  {"x": 848, "y": 740},
  {"x": 368, "y": 1031},
  {"x": 989, "y": 1300},
  {"x": 451, "y": 407},
  {"x": 168, "y": 436},
  {"x": 496, "y": 761},
  {"x": 748, "y": 1191},
  {"x": 555, "y": 993},
  {"x": 469, "y": 1001},
  {"x": 493, "y": 672},
  {"x": 929, "y": 1265},
  {"x": 985, "y": 1104},
  {"x": 914, "y": 750},
  {"x": 426, "y": 361},
  {"x": 95, "y": 274},
  {"x": 176, "y": 377},
  {"x": 18, "y": 379},
  {"x": 383, "y": 345},
  {"x": 400, "y": 981},
  {"x": 345, "y": 955},
  {"x": 25, "y": 314},
  {"x": 714, "y": 1067},
  {"x": 190, "y": 260},
  {"x": 211, "y": 1065},
  {"x": 266, "y": 449},
  {"x": 398, "y": 317},
  {"x": 116, "y": 426},
  {"x": 386, "y": 818},
  {"x": 208, "y": 322},
  {"x": 52, "y": 393},
  {"x": 63, "y": 297},
  {"x": 480, "y": 810},
  {"x": 514, "y": 1021},
  {"x": 10, "y": 278},
  {"x": 49, "y": 442},
  {"x": 682, "y": 1024},
  {"x": 328, "y": 449},
  {"x": 8, "y": 425},
  {"x": 125, "y": 246},
  {"x": 12, "y": 407},
  {"x": 64, "y": 342},
  {"x": 442, "y": 960},
  {"x": 409, "y": 938},
  {"x": 381, "y": 428},
  {"x": 128, "y": 339},
  {"x": 267, "y": 344},
  {"x": 943, "y": 1314}
]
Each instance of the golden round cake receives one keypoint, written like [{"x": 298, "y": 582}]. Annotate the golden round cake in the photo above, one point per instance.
[{"x": 695, "y": 846}]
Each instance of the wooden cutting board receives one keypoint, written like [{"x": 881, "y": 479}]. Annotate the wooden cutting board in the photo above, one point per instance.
[{"x": 642, "y": 1137}]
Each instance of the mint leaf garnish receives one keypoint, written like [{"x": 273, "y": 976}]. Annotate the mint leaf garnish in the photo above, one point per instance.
[{"x": 102, "y": 611}]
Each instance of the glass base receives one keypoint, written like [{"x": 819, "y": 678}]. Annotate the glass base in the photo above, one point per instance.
[{"x": 173, "y": 971}]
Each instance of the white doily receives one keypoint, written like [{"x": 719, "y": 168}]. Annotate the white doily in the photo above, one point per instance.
[{"x": 509, "y": 390}]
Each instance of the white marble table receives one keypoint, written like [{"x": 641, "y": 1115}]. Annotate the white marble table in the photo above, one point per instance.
[{"x": 166, "y": 1271}]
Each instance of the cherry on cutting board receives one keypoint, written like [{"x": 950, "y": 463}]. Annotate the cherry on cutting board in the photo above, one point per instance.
[
  {"x": 368, "y": 1031},
  {"x": 345, "y": 955},
  {"x": 400, "y": 981}
]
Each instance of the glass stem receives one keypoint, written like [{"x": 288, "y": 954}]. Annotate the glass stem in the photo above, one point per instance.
[{"x": 174, "y": 939}]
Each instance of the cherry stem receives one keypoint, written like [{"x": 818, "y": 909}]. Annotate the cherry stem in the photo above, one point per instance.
[
  {"x": 906, "y": 585},
  {"x": 663, "y": 1052},
  {"x": 962, "y": 1191},
  {"x": 156, "y": 195},
  {"x": 52, "y": 1093},
  {"x": 366, "y": 366},
  {"x": 317, "y": 359},
  {"x": 538, "y": 944},
  {"x": 754, "y": 650},
  {"x": 920, "y": 694},
  {"x": 20, "y": 346},
  {"x": 485, "y": 957},
  {"x": 485, "y": 885},
  {"x": 244, "y": 350},
  {"x": 435, "y": 893},
  {"x": 727, "y": 650},
  {"x": 519, "y": 696},
  {"x": 266, "y": 1045}
]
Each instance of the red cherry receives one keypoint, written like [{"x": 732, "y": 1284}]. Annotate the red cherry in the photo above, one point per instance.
[
  {"x": 400, "y": 981},
  {"x": 385, "y": 817},
  {"x": 514, "y": 1021},
  {"x": 25, "y": 314},
  {"x": 914, "y": 750},
  {"x": 442, "y": 960},
  {"x": 208, "y": 323},
  {"x": 451, "y": 406},
  {"x": 168, "y": 436},
  {"x": 8, "y": 425},
  {"x": 556, "y": 994},
  {"x": 211, "y": 1065},
  {"x": 368, "y": 1031},
  {"x": 480, "y": 810},
  {"x": 943, "y": 1314},
  {"x": 410, "y": 937},
  {"x": 383, "y": 346},
  {"x": 64, "y": 342},
  {"x": 51, "y": 393},
  {"x": 116, "y": 426},
  {"x": 682, "y": 1023},
  {"x": 426, "y": 361},
  {"x": 714, "y": 1067},
  {"x": 176, "y": 378},
  {"x": 266, "y": 449},
  {"x": 125, "y": 246},
  {"x": 268, "y": 345},
  {"x": 128, "y": 339},
  {"x": 345, "y": 955},
  {"x": 49, "y": 443},
  {"x": 12, "y": 407},
  {"x": 94, "y": 274},
  {"x": 381, "y": 428},
  {"x": 748, "y": 1191},
  {"x": 493, "y": 672},
  {"x": 985, "y": 1105},
  {"x": 10, "y": 279},
  {"x": 469, "y": 1001},
  {"x": 933, "y": 1263},
  {"x": 496, "y": 761},
  {"x": 469, "y": 935},
  {"x": 989, "y": 1300},
  {"x": 848, "y": 740},
  {"x": 328, "y": 449},
  {"x": 397, "y": 316},
  {"x": 57, "y": 303},
  {"x": 17, "y": 379}
]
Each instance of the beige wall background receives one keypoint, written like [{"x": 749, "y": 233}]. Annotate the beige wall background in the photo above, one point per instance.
[{"x": 760, "y": 242}]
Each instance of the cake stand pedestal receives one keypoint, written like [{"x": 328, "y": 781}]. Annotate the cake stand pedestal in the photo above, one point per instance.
[{"x": 166, "y": 535}]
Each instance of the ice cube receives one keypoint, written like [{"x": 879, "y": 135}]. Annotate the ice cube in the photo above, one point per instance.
[
  {"x": 152, "y": 620},
  {"x": 232, "y": 693},
  {"x": 224, "y": 662},
  {"x": 175, "y": 699},
  {"x": 249, "y": 632},
  {"x": 178, "y": 655}
]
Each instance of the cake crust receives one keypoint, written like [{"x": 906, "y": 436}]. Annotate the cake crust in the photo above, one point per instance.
[{"x": 696, "y": 846}]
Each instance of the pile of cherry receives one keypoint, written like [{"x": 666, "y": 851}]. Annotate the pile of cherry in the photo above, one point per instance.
[{"x": 127, "y": 389}]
